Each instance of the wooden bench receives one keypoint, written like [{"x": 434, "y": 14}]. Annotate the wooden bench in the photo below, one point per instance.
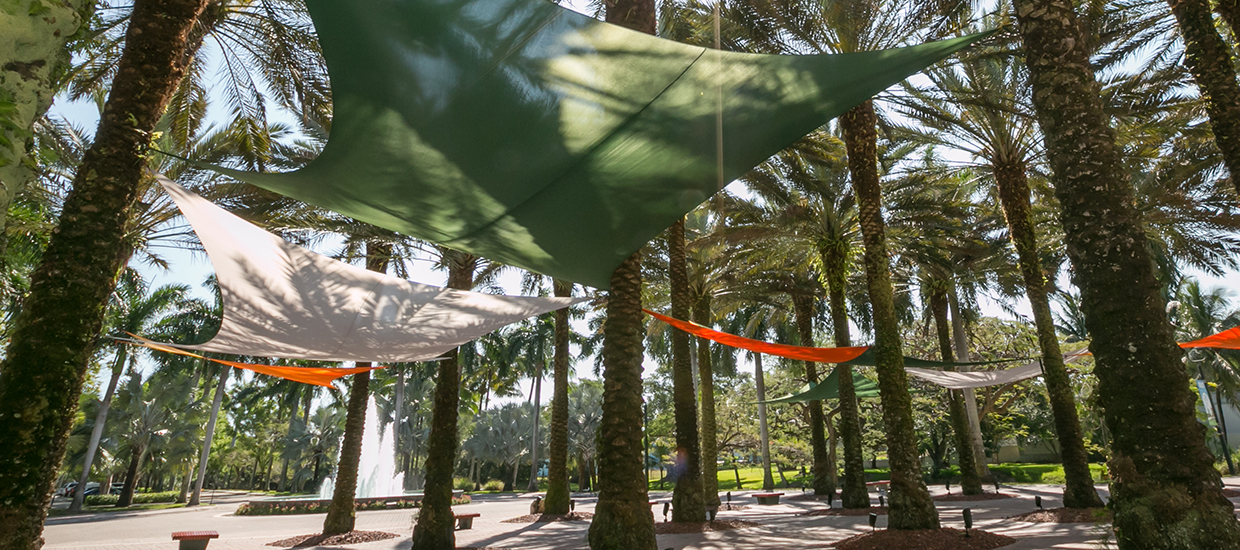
[
  {"x": 464, "y": 521},
  {"x": 768, "y": 498},
  {"x": 194, "y": 540}
]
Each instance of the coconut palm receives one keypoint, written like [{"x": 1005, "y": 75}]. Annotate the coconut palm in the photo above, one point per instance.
[
  {"x": 1141, "y": 381},
  {"x": 980, "y": 108},
  {"x": 688, "y": 504}
]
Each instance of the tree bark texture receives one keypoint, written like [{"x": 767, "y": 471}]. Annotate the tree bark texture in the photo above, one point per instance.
[
  {"x": 131, "y": 477},
  {"x": 434, "y": 526},
  {"x": 853, "y": 492},
  {"x": 35, "y": 36},
  {"x": 970, "y": 482},
  {"x": 821, "y": 469},
  {"x": 1209, "y": 59},
  {"x": 557, "y": 499},
  {"x": 706, "y": 389},
  {"x": 1165, "y": 491},
  {"x": 688, "y": 504},
  {"x": 1013, "y": 185},
  {"x": 53, "y": 336},
  {"x": 910, "y": 503},
  {"x": 342, "y": 513},
  {"x": 622, "y": 518},
  {"x": 1230, "y": 10}
]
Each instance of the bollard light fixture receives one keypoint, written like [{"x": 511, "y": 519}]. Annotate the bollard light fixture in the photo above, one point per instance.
[
  {"x": 873, "y": 521},
  {"x": 881, "y": 501},
  {"x": 968, "y": 520},
  {"x": 1037, "y": 499}
]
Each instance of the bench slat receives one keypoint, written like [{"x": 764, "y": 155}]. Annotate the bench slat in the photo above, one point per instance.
[{"x": 195, "y": 535}]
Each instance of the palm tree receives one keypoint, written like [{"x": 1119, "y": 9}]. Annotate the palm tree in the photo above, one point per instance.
[
  {"x": 979, "y": 108},
  {"x": 557, "y": 500},
  {"x": 134, "y": 311},
  {"x": 1141, "y": 380},
  {"x": 433, "y": 529},
  {"x": 688, "y": 504},
  {"x": 1201, "y": 314},
  {"x": 341, "y": 514},
  {"x": 46, "y": 359}
]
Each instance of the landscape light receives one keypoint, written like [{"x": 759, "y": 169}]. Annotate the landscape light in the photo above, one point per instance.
[
  {"x": 1038, "y": 501},
  {"x": 873, "y": 521},
  {"x": 968, "y": 520}
]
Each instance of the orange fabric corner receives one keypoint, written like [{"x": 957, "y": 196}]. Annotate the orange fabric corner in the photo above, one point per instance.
[
  {"x": 317, "y": 376},
  {"x": 816, "y": 355},
  {"x": 1228, "y": 339}
]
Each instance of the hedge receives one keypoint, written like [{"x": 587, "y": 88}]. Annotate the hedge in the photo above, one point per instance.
[
  {"x": 138, "y": 498},
  {"x": 282, "y": 508}
]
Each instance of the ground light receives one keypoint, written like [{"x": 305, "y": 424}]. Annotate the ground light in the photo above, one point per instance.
[
  {"x": 968, "y": 520},
  {"x": 1037, "y": 500},
  {"x": 873, "y": 521}
]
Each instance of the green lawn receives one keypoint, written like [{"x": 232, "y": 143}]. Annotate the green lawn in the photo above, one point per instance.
[
  {"x": 109, "y": 509},
  {"x": 751, "y": 478}
]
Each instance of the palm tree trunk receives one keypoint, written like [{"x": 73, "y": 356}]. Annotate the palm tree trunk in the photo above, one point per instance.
[
  {"x": 1013, "y": 186},
  {"x": 970, "y": 481},
  {"x": 433, "y": 528},
  {"x": 51, "y": 344},
  {"x": 853, "y": 492},
  {"x": 974, "y": 419},
  {"x": 533, "y": 484},
  {"x": 342, "y": 512},
  {"x": 688, "y": 502},
  {"x": 196, "y": 498},
  {"x": 622, "y": 518},
  {"x": 824, "y": 484},
  {"x": 557, "y": 500},
  {"x": 1165, "y": 490},
  {"x": 764, "y": 434},
  {"x": 910, "y": 503},
  {"x": 131, "y": 477},
  {"x": 101, "y": 418},
  {"x": 1209, "y": 59},
  {"x": 187, "y": 473},
  {"x": 706, "y": 387},
  {"x": 1230, "y": 10}
]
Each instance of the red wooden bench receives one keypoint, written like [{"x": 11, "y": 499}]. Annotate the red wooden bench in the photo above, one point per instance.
[
  {"x": 464, "y": 521},
  {"x": 194, "y": 540},
  {"x": 768, "y": 498}
]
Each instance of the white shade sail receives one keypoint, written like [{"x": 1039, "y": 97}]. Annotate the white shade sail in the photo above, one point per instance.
[
  {"x": 981, "y": 379},
  {"x": 282, "y": 300}
]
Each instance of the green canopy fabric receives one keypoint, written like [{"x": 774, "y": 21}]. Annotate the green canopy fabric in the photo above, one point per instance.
[
  {"x": 532, "y": 135},
  {"x": 829, "y": 388}
]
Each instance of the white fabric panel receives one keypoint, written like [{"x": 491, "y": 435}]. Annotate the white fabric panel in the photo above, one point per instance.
[
  {"x": 282, "y": 300},
  {"x": 982, "y": 379}
]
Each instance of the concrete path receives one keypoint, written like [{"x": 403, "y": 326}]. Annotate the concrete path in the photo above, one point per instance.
[{"x": 780, "y": 525}]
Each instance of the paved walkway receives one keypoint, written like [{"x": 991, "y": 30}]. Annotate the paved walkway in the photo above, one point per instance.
[{"x": 780, "y": 526}]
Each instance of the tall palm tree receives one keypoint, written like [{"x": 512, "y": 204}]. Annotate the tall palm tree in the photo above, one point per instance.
[
  {"x": 935, "y": 293},
  {"x": 622, "y": 518},
  {"x": 980, "y": 108},
  {"x": 1149, "y": 412},
  {"x": 48, "y": 351},
  {"x": 557, "y": 500},
  {"x": 1202, "y": 313},
  {"x": 433, "y": 528},
  {"x": 688, "y": 504}
]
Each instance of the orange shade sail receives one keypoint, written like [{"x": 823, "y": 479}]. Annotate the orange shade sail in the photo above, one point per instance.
[
  {"x": 1228, "y": 339},
  {"x": 317, "y": 376},
  {"x": 816, "y": 355}
]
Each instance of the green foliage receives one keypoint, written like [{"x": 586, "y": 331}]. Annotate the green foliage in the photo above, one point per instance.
[
  {"x": 493, "y": 485},
  {"x": 138, "y": 498},
  {"x": 286, "y": 508},
  {"x": 463, "y": 484}
]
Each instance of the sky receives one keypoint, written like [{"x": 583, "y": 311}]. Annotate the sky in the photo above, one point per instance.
[{"x": 192, "y": 268}]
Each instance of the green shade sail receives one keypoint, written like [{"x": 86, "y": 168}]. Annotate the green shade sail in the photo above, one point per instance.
[
  {"x": 829, "y": 388},
  {"x": 532, "y": 135}
]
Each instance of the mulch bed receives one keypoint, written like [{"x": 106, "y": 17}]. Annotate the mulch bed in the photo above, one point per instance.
[
  {"x": 1230, "y": 493},
  {"x": 927, "y": 539},
  {"x": 352, "y": 537},
  {"x": 880, "y": 510},
  {"x": 1065, "y": 515},
  {"x": 961, "y": 497},
  {"x": 549, "y": 518},
  {"x": 669, "y": 528}
]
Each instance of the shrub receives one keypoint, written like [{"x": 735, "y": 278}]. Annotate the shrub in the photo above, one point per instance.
[
  {"x": 493, "y": 485},
  {"x": 462, "y": 484},
  {"x": 139, "y": 498}
]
